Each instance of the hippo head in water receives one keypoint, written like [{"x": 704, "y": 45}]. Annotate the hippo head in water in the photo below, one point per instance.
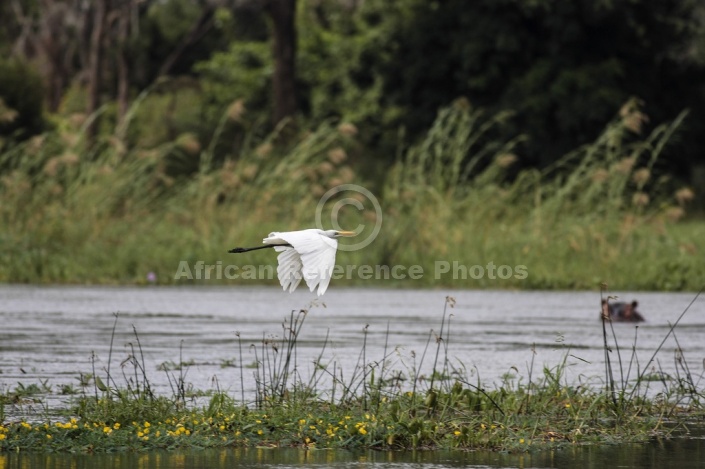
[{"x": 621, "y": 312}]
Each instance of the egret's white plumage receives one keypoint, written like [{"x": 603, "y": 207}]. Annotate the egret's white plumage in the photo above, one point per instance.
[{"x": 305, "y": 254}]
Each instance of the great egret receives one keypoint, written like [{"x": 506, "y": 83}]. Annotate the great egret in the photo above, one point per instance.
[{"x": 307, "y": 254}]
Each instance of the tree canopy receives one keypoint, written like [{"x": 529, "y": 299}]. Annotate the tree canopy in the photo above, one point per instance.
[{"x": 563, "y": 68}]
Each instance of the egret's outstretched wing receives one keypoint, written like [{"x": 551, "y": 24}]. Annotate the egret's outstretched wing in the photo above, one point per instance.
[
  {"x": 289, "y": 268},
  {"x": 311, "y": 257},
  {"x": 318, "y": 264}
]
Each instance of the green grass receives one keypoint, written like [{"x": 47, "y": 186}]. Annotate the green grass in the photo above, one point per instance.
[
  {"x": 113, "y": 213},
  {"x": 372, "y": 406}
]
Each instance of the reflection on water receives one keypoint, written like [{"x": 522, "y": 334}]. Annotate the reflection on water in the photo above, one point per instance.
[
  {"x": 679, "y": 453},
  {"x": 48, "y": 334}
]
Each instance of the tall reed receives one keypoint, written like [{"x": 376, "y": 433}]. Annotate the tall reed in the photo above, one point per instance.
[{"x": 116, "y": 211}]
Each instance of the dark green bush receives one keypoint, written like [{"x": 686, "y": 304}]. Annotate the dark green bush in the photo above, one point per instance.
[{"x": 21, "y": 90}]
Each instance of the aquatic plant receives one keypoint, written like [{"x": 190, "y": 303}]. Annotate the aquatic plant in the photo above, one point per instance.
[{"x": 623, "y": 393}]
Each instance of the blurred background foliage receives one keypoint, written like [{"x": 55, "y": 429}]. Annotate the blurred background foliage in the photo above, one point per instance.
[
  {"x": 563, "y": 68},
  {"x": 540, "y": 124}
]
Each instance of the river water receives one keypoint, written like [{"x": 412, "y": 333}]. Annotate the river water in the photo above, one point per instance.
[
  {"x": 676, "y": 454},
  {"x": 50, "y": 336}
]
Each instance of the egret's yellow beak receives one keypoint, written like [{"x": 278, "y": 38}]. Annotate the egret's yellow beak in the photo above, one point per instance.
[{"x": 346, "y": 233}]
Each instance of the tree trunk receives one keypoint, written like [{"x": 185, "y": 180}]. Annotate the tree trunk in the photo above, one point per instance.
[
  {"x": 94, "y": 63},
  {"x": 123, "y": 64},
  {"x": 46, "y": 41},
  {"x": 283, "y": 13}
]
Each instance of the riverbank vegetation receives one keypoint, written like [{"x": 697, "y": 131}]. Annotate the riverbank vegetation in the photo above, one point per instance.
[
  {"x": 375, "y": 405},
  {"x": 118, "y": 214}
]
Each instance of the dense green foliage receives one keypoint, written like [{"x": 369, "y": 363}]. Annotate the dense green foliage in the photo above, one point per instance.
[
  {"x": 562, "y": 67},
  {"x": 21, "y": 108}
]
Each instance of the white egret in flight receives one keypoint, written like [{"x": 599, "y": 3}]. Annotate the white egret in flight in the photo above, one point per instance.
[{"x": 307, "y": 254}]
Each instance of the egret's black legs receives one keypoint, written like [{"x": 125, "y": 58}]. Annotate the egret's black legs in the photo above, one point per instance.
[{"x": 239, "y": 250}]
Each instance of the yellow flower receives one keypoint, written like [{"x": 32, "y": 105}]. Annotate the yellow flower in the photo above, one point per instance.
[
  {"x": 116, "y": 426},
  {"x": 237, "y": 433},
  {"x": 302, "y": 421},
  {"x": 2, "y": 437},
  {"x": 158, "y": 434},
  {"x": 221, "y": 428},
  {"x": 259, "y": 432},
  {"x": 140, "y": 434},
  {"x": 521, "y": 441},
  {"x": 456, "y": 433},
  {"x": 362, "y": 431},
  {"x": 147, "y": 425},
  {"x": 107, "y": 430},
  {"x": 567, "y": 406}
]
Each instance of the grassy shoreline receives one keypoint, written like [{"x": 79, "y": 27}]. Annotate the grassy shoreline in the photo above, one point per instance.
[
  {"x": 114, "y": 214},
  {"x": 669, "y": 260}
]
